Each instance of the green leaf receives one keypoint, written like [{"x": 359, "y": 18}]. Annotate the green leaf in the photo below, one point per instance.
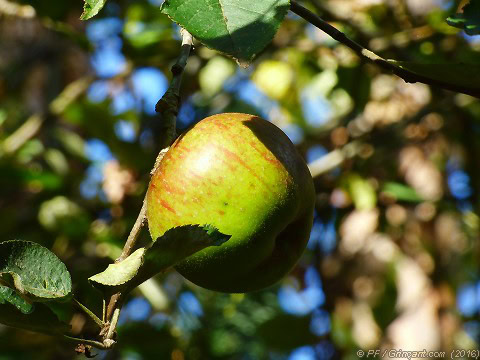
[
  {"x": 175, "y": 245},
  {"x": 41, "y": 319},
  {"x": 469, "y": 19},
  {"x": 120, "y": 273},
  {"x": 8, "y": 295},
  {"x": 33, "y": 271},
  {"x": 91, "y": 8},
  {"x": 240, "y": 28},
  {"x": 401, "y": 192},
  {"x": 465, "y": 77}
]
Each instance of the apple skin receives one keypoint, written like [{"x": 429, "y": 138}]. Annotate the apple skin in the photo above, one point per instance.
[{"x": 243, "y": 175}]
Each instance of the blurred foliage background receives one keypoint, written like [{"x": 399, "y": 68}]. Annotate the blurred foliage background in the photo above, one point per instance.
[{"x": 393, "y": 258}]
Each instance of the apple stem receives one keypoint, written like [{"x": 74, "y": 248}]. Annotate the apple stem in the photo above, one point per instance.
[
  {"x": 132, "y": 237},
  {"x": 167, "y": 107}
]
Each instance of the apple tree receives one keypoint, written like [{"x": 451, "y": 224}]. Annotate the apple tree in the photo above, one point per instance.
[{"x": 345, "y": 221}]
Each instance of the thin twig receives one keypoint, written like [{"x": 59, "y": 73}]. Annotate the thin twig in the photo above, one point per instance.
[
  {"x": 325, "y": 10},
  {"x": 89, "y": 313},
  {"x": 94, "y": 343},
  {"x": 368, "y": 55},
  {"x": 167, "y": 107},
  {"x": 373, "y": 38},
  {"x": 132, "y": 237},
  {"x": 169, "y": 104},
  {"x": 104, "y": 311},
  {"x": 114, "y": 303},
  {"x": 113, "y": 324}
]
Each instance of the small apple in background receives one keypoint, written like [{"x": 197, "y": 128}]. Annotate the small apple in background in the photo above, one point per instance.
[{"x": 243, "y": 175}]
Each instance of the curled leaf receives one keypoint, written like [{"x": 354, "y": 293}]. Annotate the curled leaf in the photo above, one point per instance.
[{"x": 175, "y": 245}]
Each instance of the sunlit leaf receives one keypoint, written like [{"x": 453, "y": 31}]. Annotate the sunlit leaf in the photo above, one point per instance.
[
  {"x": 175, "y": 245},
  {"x": 91, "y": 8},
  {"x": 239, "y": 28},
  {"x": 120, "y": 273}
]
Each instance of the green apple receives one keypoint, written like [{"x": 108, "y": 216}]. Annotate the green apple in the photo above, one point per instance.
[{"x": 243, "y": 175}]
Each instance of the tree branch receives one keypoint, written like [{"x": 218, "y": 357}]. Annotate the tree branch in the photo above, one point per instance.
[
  {"x": 169, "y": 104},
  {"x": 89, "y": 342},
  {"x": 132, "y": 237},
  {"x": 167, "y": 107},
  {"x": 370, "y": 56}
]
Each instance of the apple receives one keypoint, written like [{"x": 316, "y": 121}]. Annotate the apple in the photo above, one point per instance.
[{"x": 243, "y": 175}]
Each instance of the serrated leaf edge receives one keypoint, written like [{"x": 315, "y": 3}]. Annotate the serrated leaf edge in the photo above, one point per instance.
[
  {"x": 95, "y": 10},
  {"x": 111, "y": 267},
  {"x": 244, "y": 63}
]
